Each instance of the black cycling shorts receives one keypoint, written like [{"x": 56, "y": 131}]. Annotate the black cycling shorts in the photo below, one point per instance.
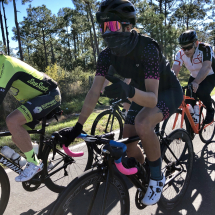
[
  {"x": 168, "y": 102},
  {"x": 37, "y": 108}
]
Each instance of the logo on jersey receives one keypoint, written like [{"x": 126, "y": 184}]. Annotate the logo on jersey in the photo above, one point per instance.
[
  {"x": 38, "y": 85},
  {"x": 37, "y": 109},
  {"x": 14, "y": 91}
]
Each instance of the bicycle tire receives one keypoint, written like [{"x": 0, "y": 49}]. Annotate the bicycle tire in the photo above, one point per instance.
[
  {"x": 4, "y": 190},
  {"x": 210, "y": 129},
  {"x": 172, "y": 194},
  {"x": 60, "y": 180},
  {"x": 168, "y": 124},
  {"x": 100, "y": 127},
  {"x": 82, "y": 189}
]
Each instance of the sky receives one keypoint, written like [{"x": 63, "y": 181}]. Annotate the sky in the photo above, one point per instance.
[{"x": 52, "y": 5}]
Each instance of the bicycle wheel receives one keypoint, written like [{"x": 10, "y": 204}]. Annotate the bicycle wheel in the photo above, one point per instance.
[
  {"x": 4, "y": 190},
  {"x": 107, "y": 122},
  {"x": 206, "y": 134},
  {"x": 177, "y": 171},
  {"x": 168, "y": 124},
  {"x": 57, "y": 181},
  {"x": 87, "y": 191}
]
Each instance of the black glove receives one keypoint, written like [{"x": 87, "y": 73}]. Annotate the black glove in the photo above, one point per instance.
[
  {"x": 118, "y": 89},
  {"x": 71, "y": 133}
]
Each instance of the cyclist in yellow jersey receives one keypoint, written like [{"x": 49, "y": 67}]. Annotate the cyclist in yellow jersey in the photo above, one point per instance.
[{"x": 39, "y": 95}]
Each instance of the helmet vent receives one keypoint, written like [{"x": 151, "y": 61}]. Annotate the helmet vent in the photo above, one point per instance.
[{"x": 128, "y": 9}]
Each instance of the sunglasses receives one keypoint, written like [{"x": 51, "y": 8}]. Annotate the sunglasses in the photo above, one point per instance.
[
  {"x": 187, "y": 48},
  {"x": 112, "y": 26}
]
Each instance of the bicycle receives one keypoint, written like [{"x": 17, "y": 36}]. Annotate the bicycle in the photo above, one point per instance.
[
  {"x": 99, "y": 190},
  {"x": 183, "y": 119},
  {"x": 59, "y": 167},
  {"x": 110, "y": 120}
]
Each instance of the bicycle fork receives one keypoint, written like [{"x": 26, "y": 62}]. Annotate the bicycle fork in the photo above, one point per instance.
[{"x": 107, "y": 173}]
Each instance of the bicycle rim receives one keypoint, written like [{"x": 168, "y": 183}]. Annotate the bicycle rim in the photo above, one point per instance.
[
  {"x": 4, "y": 190},
  {"x": 107, "y": 122},
  {"x": 85, "y": 196},
  {"x": 168, "y": 124},
  {"x": 74, "y": 166},
  {"x": 179, "y": 170},
  {"x": 206, "y": 134}
]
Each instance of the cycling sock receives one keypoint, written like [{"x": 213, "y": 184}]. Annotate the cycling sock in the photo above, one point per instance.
[
  {"x": 155, "y": 169},
  {"x": 32, "y": 157}
]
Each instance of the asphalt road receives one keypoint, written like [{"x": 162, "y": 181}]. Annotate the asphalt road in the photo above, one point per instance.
[{"x": 199, "y": 198}]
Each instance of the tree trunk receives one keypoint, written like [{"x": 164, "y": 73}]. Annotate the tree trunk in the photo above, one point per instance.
[
  {"x": 91, "y": 40},
  {"x": 2, "y": 29},
  {"x": 17, "y": 28},
  {"x": 6, "y": 28},
  {"x": 52, "y": 51},
  {"x": 44, "y": 44},
  {"x": 73, "y": 32},
  {"x": 95, "y": 39}
]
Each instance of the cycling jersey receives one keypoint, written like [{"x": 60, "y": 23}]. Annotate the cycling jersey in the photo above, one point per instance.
[
  {"x": 145, "y": 61},
  {"x": 24, "y": 81},
  {"x": 202, "y": 53}
]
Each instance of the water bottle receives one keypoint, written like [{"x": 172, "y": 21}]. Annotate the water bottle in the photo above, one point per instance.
[
  {"x": 190, "y": 108},
  {"x": 18, "y": 159},
  {"x": 7, "y": 151},
  {"x": 196, "y": 113},
  {"x": 35, "y": 147},
  {"x": 11, "y": 154}
]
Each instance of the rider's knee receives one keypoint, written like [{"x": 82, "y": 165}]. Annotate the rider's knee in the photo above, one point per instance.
[{"x": 143, "y": 127}]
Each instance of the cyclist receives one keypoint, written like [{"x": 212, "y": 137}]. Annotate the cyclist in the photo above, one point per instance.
[
  {"x": 157, "y": 95},
  {"x": 198, "y": 58},
  {"x": 38, "y": 94}
]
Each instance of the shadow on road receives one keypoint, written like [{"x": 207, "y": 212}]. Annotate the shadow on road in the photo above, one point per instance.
[
  {"x": 44, "y": 211},
  {"x": 199, "y": 198}
]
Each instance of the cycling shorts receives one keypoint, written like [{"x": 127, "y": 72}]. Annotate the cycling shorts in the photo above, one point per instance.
[{"x": 37, "y": 108}]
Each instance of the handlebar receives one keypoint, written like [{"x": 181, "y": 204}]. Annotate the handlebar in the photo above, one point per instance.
[
  {"x": 117, "y": 162},
  {"x": 101, "y": 139}
]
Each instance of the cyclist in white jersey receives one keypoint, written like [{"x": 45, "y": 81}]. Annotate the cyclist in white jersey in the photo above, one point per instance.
[{"x": 198, "y": 58}]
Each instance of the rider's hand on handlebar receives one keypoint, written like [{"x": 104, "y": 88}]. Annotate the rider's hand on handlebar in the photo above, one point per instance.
[
  {"x": 195, "y": 86},
  {"x": 71, "y": 133}
]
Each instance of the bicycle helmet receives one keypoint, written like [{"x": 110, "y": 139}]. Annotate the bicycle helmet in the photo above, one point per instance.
[
  {"x": 116, "y": 10},
  {"x": 187, "y": 37}
]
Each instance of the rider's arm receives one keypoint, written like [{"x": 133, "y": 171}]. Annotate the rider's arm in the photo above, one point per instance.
[
  {"x": 150, "y": 97},
  {"x": 203, "y": 72},
  {"x": 7, "y": 76},
  {"x": 177, "y": 63},
  {"x": 104, "y": 85},
  {"x": 176, "y": 68},
  {"x": 150, "y": 65},
  {"x": 207, "y": 62},
  {"x": 91, "y": 99}
]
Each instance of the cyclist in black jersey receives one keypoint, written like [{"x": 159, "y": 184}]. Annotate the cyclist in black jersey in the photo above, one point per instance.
[
  {"x": 198, "y": 58},
  {"x": 157, "y": 93},
  {"x": 38, "y": 94}
]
